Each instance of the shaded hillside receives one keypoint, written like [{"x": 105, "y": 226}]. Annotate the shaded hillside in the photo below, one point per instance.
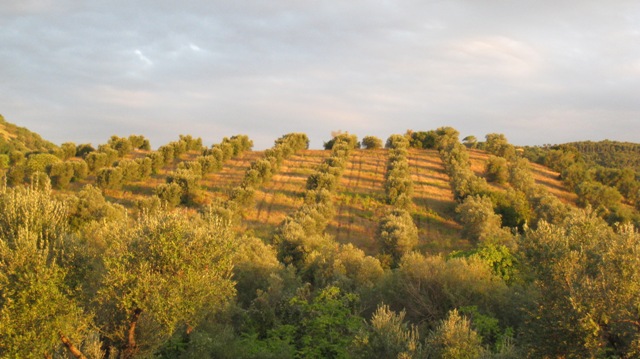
[
  {"x": 611, "y": 154},
  {"x": 15, "y": 138}
]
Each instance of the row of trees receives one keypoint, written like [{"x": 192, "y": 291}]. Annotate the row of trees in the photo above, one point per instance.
[
  {"x": 302, "y": 233},
  {"x": 261, "y": 170},
  {"x": 397, "y": 233},
  {"x": 183, "y": 185}
]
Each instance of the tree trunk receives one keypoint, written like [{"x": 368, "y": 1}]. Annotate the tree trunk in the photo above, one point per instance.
[
  {"x": 132, "y": 346},
  {"x": 72, "y": 348}
]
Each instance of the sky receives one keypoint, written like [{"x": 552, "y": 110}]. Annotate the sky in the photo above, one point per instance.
[{"x": 540, "y": 72}]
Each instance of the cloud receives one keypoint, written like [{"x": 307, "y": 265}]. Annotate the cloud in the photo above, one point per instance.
[
  {"x": 266, "y": 68},
  {"x": 145, "y": 60}
]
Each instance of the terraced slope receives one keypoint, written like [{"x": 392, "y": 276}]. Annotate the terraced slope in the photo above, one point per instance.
[
  {"x": 283, "y": 194},
  {"x": 219, "y": 184},
  {"x": 360, "y": 200},
  {"x": 434, "y": 212}
]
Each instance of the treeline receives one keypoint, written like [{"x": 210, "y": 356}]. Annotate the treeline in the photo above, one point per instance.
[
  {"x": 613, "y": 192},
  {"x": 610, "y": 154},
  {"x": 397, "y": 233}
]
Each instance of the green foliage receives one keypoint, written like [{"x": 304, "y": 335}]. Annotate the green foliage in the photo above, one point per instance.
[
  {"x": 89, "y": 205},
  {"x": 139, "y": 142},
  {"x": 397, "y": 234},
  {"x": 388, "y": 335},
  {"x": 498, "y": 145},
  {"x": 61, "y": 174},
  {"x": 371, "y": 142},
  {"x": 470, "y": 141},
  {"x": 40, "y": 162},
  {"x": 479, "y": 221},
  {"x": 170, "y": 194},
  {"x": 428, "y": 287},
  {"x": 68, "y": 150},
  {"x": 327, "y": 325},
  {"x": 499, "y": 257},
  {"x": 520, "y": 176},
  {"x": 109, "y": 178},
  {"x": 422, "y": 139},
  {"x": 350, "y": 141},
  {"x": 514, "y": 209},
  {"x": 36, "y": 305},
  {"x": 164, "y": 271},
  {"x": 188, "y": 180},
  {"x": 587, "y": 278},
  {"x": 607, "y": 153},
  {"x": 398, "y": 184},
  {"x": 96, "y": 161},
  {"x": 496, "y": 170},
  {"x": 397, "y": 142},
  {"x": 454, "y": 338},
  {"x": 83, "y": 150},
  {"x": 4, "y": 161}
]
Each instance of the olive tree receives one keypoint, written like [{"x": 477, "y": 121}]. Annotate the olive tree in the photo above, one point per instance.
[{"x": 162, "y": 273}]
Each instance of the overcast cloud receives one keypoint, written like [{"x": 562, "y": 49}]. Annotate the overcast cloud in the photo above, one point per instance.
[{"x": 537, "y": 71}]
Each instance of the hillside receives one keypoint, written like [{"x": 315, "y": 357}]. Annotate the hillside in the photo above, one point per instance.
[
  {"x": 15, "y": 138},
  {"x": 611, "y": 154},
  {"x": 359, "y": 199},
  {"x": 233, "y": 252}
]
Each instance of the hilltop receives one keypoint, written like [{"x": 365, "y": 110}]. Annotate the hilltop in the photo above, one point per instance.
[{"x": 15, "y": 138}]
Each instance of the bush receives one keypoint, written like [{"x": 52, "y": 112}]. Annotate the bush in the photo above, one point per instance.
[
  {"x": 496, "y": 170},
  {"x": 397, "y": 234},
  {"x": 371, "y": 142},
  {"x": 61, "y": 174},
  {"x": 479, "y": 221},
  {"x": 109, "y": 178},
  {"x": 169, "y": 193},
  {"x": 96, "y": 160}
]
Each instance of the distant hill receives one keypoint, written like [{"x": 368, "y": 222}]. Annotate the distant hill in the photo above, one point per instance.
[
  {"x": 15, "y": 138},
  {"x": 611, "y": 154}
]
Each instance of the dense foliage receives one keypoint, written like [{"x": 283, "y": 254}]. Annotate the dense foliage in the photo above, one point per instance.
[{"x": 84, "y": 273}]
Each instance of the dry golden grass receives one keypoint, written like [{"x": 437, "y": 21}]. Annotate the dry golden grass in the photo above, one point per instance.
[
  {"x": 360, "y": 199},
  {"x": 434, "y": 210},
  {"x": 283, "y": 194},
  {"x": 478, "y": 162},
  {"x": 544, "y": 176},
  {"x": 220, "y": 184},
  {"x": 551, "y": 181}
]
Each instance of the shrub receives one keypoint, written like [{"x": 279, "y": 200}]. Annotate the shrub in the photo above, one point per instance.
[
  {"x": 397, "y": 234},
  {"x": 109, "y": 178},
  {"x": 371, "y": 142},
  {"x": 496, "y": 170},
  {"x": 170, "y": 194}
]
